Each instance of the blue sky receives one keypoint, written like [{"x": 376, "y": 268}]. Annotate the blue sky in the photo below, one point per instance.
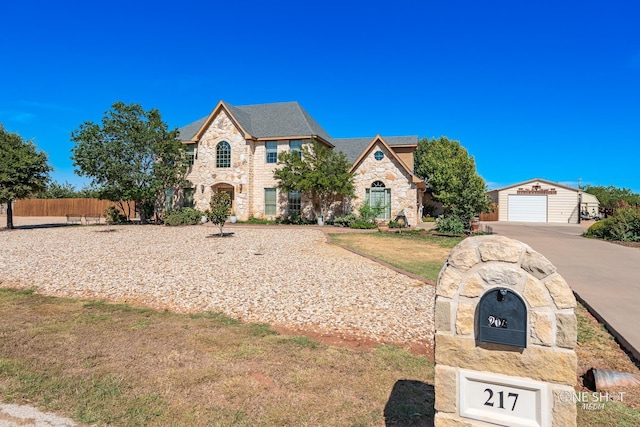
[{"x": 547, "y": 89}]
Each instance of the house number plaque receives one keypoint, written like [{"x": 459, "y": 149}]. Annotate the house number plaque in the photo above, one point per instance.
[{"x": 503, "y": 400}]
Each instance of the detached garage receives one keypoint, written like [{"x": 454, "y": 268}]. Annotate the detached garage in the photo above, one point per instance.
[{"x": 537, "y": 200}]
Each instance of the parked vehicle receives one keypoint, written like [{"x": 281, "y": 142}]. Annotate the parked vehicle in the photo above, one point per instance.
[{"x": 586, "y": 216}]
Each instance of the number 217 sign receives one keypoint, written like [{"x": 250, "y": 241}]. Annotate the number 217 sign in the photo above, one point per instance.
[{"x": 504, "y": 400}]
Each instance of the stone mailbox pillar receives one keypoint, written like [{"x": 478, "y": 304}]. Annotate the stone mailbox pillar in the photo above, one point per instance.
[{"x": 505, "y": 338}]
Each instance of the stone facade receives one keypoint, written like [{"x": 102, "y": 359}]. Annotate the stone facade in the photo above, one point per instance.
[
  {"x": 388, "y": 170},
  {"x": 483, "y": 263},
  {"x": 205, "y": 176},
  {"x": 249, "y": 174}
]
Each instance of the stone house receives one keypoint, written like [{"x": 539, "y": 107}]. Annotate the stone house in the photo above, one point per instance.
[{"x": 235, "y": 149}]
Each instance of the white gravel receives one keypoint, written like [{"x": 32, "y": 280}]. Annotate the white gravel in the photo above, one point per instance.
[
  {"x": 23, "y": 415},
  {"x": 284, "y": 276}
]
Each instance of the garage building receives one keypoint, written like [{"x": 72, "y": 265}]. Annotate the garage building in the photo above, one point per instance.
[{"x": 538, "y": 200}]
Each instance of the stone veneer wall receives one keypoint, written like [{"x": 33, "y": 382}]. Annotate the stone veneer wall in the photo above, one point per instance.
[
  {"x": 204, "y": 173},
  {"x": 404, "y": 194},
  {"x": 482, "y": 263}
]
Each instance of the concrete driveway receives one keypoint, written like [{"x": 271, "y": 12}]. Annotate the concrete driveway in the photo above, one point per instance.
[{"x": 605, "y": 276}]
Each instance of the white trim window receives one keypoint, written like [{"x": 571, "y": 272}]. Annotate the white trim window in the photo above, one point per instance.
[
  {"x": 295, "y": 202},
  {"x": 223, "y": 155},
  {"x": 270, "y": 202},
  {"x": 378, "y": 197},
  {"x": 296, "y": 145},
  {"x": 271, "y": 148}
]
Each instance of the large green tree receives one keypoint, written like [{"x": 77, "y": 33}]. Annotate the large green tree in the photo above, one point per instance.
[
  {"x": 66, "y": 190},
  {"x": 450, "y": 173},
  {"x": 23, "y": 170},
  {"x": 131, "y": 156},
  {"x": 321, "y": 174},
  {"x": 612, "y": 198}
]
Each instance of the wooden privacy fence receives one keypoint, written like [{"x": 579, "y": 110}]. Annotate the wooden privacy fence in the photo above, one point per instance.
[
  {"x": 60, "y": 207},
  {"x": 491, "y": 216}
]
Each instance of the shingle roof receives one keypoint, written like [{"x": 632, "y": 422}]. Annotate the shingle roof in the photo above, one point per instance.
[
  {"x": 290, "y": 119},
  {"x": 353, "y": 147},
  {"x": 267, "y": 121},
  {"x": 185, "y": 133}
]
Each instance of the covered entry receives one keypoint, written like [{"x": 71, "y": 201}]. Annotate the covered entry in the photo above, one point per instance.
[
  {"x": 225, "y": 188},
  {"x": 527, "y": 208}
]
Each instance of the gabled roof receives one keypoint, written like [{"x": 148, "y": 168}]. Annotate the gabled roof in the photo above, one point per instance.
[
  {"x": 187, "y": 132},
  {"x": 354, "y": 147},
  {"x": 546, "y": 181},
  {"x": 399, "y": 141},
  {"x": 262, "y": 121}
]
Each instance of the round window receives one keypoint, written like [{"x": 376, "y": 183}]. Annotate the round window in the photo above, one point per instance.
[{"x": 379, "y": 155}]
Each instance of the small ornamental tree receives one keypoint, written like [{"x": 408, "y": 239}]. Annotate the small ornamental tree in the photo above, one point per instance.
[
  {"x": 24, "y": 170},
  {"x": 318, "y": 172},
  {"x": 219, "y": 209}
]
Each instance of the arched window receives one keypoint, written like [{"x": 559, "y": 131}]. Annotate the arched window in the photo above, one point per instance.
[
  {"x": 223, "y": 155},
  {"x": 379, "y": 199}
]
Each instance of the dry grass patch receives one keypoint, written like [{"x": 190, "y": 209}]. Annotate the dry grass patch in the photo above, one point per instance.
[
  {"x": 419, "y": 254},
  {"x": 596, "y": 348},
  {"x": 112, "y": 364}
]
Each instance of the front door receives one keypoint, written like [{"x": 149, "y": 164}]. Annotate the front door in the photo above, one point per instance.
[{"x": 226, "y": 188}]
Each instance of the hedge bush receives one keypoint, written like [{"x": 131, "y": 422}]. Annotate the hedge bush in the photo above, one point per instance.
[
  {"x": 361, "y": 224},
  {"x": 623, "y": 226},
  {"x": 345, "y": 220},
  {"x": 183, "y": 216},
  {"x": 450, "y": 225},
  {"x": 114, "y": 216}
]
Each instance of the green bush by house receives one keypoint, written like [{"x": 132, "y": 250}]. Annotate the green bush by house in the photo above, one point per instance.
[
  {"x": 623, "y": 226},
  {"x": 183, "y": 216}
]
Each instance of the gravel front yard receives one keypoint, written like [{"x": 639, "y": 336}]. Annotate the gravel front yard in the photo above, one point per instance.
[{"x": 284, "y": 276}]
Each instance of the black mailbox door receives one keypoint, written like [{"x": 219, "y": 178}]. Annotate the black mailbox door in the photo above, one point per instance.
[{"x": 502, "y": 318}]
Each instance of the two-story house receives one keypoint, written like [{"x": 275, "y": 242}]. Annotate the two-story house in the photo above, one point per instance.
[{"x": 235, "y": 149}]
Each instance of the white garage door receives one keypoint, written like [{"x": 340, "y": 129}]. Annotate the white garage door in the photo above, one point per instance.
[{"x": 527, "y": 208}]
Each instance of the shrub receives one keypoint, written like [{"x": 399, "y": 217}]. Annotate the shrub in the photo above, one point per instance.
[
  {"x": 367, "y": 213},
  {"x": 624, "y": 226},
  {"x": 293, "y": 218},
  {"x": 345, "y": 220},
  {"x": 254, "y": 220},
  {"x": 450, "y": 225},
  {"x": 114, "y": 216},
  {"x": 360, "y": 224},
  {"x": 397, "y": 224},
  {"x": 599, "y": 230},
  {"x": 183, "y": 216}
]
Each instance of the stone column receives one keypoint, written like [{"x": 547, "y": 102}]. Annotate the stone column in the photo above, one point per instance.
[{"x": 481, "y": 383}]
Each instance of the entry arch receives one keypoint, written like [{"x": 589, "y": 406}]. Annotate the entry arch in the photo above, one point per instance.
[{"x": 223, "y": 187}]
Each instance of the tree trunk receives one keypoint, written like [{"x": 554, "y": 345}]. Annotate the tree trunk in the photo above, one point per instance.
[
  {"x": 142, "y": 212},
  {"x": 9, "y": 215}
]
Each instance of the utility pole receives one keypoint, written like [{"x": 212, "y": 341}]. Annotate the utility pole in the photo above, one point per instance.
[{"x": 579, "y": 202}]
